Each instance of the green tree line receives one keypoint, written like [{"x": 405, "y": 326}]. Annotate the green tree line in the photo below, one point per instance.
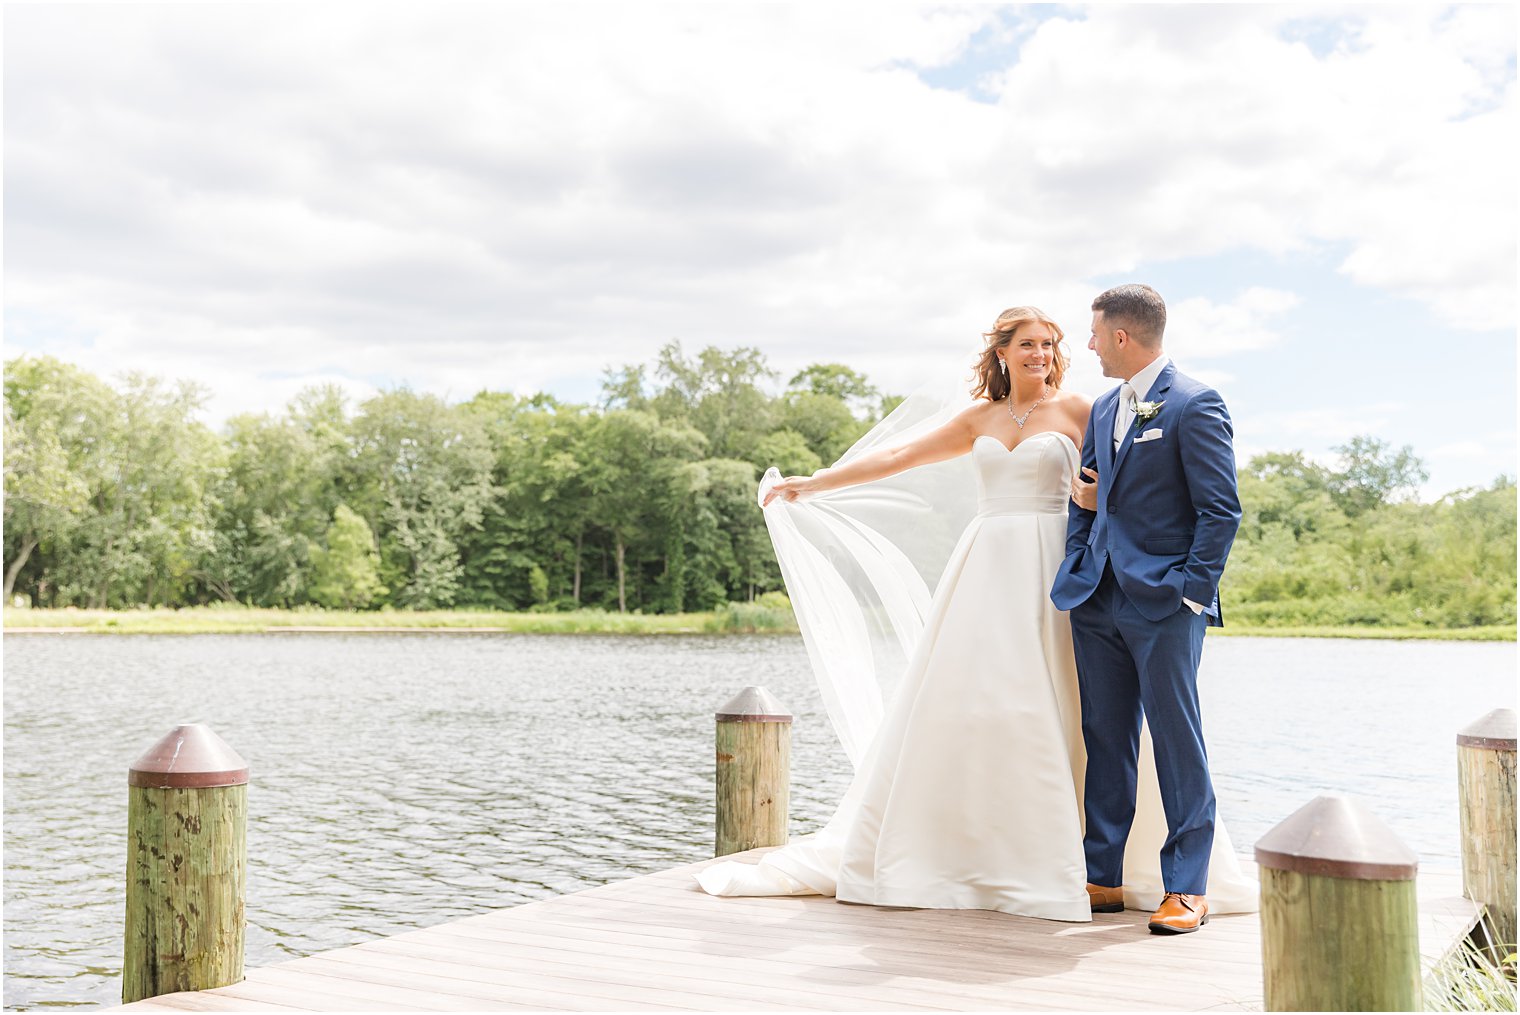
[{"x": 116, "y": 496}]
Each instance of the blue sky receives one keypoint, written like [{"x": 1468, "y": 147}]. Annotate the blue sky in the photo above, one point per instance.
[{"x": 259, "y": 197}]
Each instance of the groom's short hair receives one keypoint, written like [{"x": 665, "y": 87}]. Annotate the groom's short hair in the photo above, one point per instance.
[{"x": 1138, "y": 309}]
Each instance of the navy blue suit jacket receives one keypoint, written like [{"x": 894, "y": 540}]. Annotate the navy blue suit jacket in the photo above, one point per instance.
[{"x": 1167, "y": 506}]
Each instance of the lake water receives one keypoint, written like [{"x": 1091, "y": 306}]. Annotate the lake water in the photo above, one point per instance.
[{"x": 401, "y": 780}]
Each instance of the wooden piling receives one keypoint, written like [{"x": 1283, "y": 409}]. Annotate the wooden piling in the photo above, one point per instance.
[
  {"x": 187, "y": 862},
  {"x": 754, "y": 768},
  {"x": 1339, "y": 924},
  {"x": 1486, "y": 786}
]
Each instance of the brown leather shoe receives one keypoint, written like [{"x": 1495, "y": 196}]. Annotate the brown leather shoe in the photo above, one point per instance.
[
  {"x": 1105, "y": 900},
  {"x": 1180, "y": 914}
]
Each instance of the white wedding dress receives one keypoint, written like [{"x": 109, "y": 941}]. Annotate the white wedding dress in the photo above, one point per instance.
[{"x": 968, "y": 793}]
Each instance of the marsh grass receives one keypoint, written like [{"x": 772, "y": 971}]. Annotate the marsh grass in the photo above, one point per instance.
[
  {"x": 770, "y": 613},
  {"x": 1497, "y": 632},
  {"x": 230, "y": 619},
  {"x": 1473, "y": 978}
]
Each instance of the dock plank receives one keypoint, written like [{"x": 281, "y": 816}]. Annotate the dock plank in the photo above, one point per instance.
[
  {"x": 741, "y": 978},
  {"x": 482, "y": 983},
  {"x": 585, "y": 986},
  {"x": 359, "y": 990},
  {"x": 658, "y": 943},
  {"x": 833, "y": 980},
  {"x": 262, "y": 989}
]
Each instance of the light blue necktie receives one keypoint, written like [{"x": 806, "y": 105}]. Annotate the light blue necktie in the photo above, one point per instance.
[{"x": 1126, "y": 414}]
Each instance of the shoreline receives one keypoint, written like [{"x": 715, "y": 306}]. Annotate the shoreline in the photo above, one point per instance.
[{"x": 222, "y": 620}]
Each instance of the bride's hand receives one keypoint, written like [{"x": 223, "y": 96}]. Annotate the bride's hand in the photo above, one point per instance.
[
  {"x": 791, "y": 488},
  {"x": 1085, "y": 495}
]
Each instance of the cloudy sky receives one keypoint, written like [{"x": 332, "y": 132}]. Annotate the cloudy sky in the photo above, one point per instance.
[{"x": 259, "y": 197}]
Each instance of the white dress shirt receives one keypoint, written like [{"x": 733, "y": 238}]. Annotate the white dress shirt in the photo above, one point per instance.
[{"x": 1133, "y": 390}]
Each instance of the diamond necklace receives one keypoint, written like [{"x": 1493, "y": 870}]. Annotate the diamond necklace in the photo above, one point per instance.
[{"x": 1020, "y": 419}]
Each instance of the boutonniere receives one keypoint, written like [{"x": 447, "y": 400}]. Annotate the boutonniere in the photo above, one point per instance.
[{"x": 1146, "y": 411}]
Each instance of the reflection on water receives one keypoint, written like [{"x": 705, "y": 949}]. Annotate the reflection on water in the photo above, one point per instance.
[{"x": 402, "y": 780}]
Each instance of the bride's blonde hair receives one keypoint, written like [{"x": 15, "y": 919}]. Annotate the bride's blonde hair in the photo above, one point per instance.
[{"x": 991, "y": 382}]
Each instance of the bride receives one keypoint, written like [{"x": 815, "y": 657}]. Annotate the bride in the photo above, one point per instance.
[{"x": 969, "y": 765}]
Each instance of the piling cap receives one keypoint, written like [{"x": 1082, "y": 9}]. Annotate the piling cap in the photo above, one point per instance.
[
  {"x": 1339, "y": 837},
  {"x": 1494, "y": 732},
  {"x": 754, "y": 704},
  {"x": 190, "y": 756}
]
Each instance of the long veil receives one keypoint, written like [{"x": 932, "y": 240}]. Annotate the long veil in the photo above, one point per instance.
[{"x": 860, "y": 565}]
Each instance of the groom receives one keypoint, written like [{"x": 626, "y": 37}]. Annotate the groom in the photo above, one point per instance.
[{"x": 1141, "y": 579}]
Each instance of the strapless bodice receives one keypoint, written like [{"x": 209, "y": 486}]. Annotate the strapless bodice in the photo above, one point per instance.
[{"x": 1034, "y": 478}]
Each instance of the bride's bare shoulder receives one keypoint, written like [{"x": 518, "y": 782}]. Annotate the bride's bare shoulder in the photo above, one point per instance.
[
  {"x": 1075, "y": 403},
  {"x": 977, "y": 412}
]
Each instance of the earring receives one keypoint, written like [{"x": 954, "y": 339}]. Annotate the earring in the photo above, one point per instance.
[{"x": 1004, "y": 365}]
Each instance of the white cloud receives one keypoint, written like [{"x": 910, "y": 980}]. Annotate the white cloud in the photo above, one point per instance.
[
  {"x": 1198, "y": 130},
  {"x": 466, "y": 196},
  {"x": 1198, "y": 328},
  {"x": 1463, "y": 464},
  {"x": 1287, "y": 430},
  {"x": 1460, "y": 449}
]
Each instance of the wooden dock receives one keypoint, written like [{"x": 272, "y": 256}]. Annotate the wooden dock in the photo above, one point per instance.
[{"x": 657, "y": 942}]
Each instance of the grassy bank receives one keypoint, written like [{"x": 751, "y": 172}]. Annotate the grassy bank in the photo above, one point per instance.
[
  {"x": 248, "y": 620},
  {"x": 1495, "y": 633},
  {"x": 738, "y": 618}
]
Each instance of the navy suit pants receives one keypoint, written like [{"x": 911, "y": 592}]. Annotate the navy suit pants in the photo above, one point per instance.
[{"x": 1128, "y": 666}]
